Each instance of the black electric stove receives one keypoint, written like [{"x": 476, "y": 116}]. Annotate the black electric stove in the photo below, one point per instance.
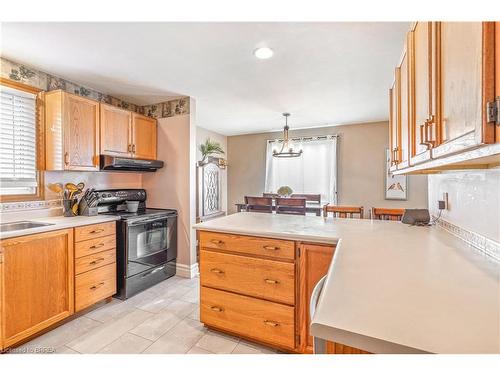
[{"x": 146, "y": 240}]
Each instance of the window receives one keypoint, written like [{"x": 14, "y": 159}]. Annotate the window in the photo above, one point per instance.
[
  {"x": 18, "y": 142},
  {"x": 314, "y": 172}
]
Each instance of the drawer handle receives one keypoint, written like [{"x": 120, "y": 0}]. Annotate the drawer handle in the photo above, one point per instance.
[
  {"x": 97, "y": 261},
  {"x": 216, "y": 270},
  {"x": 97, "y": 246},
  {"x": 217, "y": 309},
  {"x": 271, "y": 281},
  {"x": 271, "y": 323},
  {"x": 94, "y": 287},
  {"x": 271, "y": 247},
  {"x": 96, "y": 231},
  {"x": 217, "y": 242}
]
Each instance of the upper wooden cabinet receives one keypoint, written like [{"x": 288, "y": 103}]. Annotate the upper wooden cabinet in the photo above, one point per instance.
[
  {"x": 71, "y": 132},
  {"x": 445, "y": 93},
  {"x": 116, "y": 128},
  {"x": 36, "y": 284},
  {"x": 423, "y": 92},
  {"x": 466, "y": 55},
  {"x": 497, "y": 78},
  {"x": 393, "y": 124},
  {"x": 144, "y": 131}
]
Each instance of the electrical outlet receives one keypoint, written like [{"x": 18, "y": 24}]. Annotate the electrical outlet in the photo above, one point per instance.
[
  {"x": 445, "y": 202},
  {"x": 441, "y": 205}
]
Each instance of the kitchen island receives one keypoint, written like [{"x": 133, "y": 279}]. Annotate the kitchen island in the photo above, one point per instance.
[{"x": 391, "y": 288}]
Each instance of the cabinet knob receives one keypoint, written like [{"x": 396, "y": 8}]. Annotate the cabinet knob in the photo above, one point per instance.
[
  {"x": 217, "y": 242},
  {"x": 271, "y": 323},
  {"x": 271, "y": 281},
  {"x": 217, "y": 309},
  {"x": 66, "y": 158},
  {"x": 96, "y": 231},
  {"x": 97, "y": 246},
  {"x": 271, "y": 247},
  {"x": 94, "y": 287},
  {"x": 97, "y": 261},
  {"x": 216, "y": 270}
]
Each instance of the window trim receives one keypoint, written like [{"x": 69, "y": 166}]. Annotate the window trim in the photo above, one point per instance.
[{"x": 39, "y": 194}]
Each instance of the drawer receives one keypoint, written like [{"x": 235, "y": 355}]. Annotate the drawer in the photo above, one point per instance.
[
  {"x": 95, "y": 245},
  {"x": 263, "y": 278},
  {"x": 93, "y": 231},
  {"x": 94, "y": 261},
  {"x": 268, "y": 247},
  {"x": 269, "y": 322},
  {"x": 94, "y": 286}
]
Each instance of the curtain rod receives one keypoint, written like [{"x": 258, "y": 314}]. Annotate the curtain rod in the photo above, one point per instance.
[{"x": 310, "y": 138}]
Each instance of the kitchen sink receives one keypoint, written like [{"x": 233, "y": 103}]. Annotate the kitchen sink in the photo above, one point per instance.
[{"x": 20, "y": 225}]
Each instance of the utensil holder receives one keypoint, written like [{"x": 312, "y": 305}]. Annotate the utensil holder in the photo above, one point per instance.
[
  {"x": 85, "y": 210},
  {"x": 68, "y": 207}
]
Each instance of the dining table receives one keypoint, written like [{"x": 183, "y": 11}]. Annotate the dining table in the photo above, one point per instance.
[{"x": 311, "y": 207}]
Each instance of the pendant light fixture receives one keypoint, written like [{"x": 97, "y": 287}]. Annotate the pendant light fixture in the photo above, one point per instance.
[{"x": 287, "y": 150}]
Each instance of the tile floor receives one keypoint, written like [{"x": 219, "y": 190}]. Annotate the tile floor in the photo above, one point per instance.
[{"x": 161, "y": 320}]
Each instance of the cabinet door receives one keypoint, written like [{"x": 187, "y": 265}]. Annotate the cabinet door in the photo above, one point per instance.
[
  {"x": 38, "y": 283},
  {"x": 423, "y": 114},
  {"x": 404, "y": 113},
  {"x": 115, "y": 132},
  {"x": 81, "y": 133},
  {"x": 497, "y": 73},
  {"x": 314, "y": 262},
  {"x": 143, "y": 137},
  {"x": 393, "y": 126},
  {"x": 466, "y": 83}
]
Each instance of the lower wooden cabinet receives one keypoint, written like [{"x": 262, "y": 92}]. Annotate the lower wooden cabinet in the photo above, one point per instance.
[
  {"x": 37, "y": 283},
  {"x": 38, "y": 286},
  {"x": 269, "y": 322},
  {"x": 259, "y": 288}
]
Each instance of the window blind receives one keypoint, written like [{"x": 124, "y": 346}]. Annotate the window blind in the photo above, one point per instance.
[{"x": 18, "y": 173}]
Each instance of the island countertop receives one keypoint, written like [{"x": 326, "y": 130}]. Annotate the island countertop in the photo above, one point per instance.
[{"x": 392, "y": 288}]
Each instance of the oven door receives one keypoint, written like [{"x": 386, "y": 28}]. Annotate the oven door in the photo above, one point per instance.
[{"x": 150, "y": 242}]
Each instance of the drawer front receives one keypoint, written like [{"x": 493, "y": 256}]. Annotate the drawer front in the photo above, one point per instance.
[
  {"x": 263, "y": 278},
  {"x": 95, "y": 245},
  {"x": 94, "y": 261},
  {"x": 268, "y": 247},
  {"x": 269, "y": 322},
  {"x": 94, "y": 286},
  {"x": 94, "y": 231}
]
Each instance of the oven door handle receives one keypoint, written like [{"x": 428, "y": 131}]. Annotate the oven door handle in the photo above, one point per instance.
[
  {"x": 153, "y": 271},
  {"x": 141, "y": 222}
]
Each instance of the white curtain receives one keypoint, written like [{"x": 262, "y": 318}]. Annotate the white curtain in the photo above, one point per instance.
[{"x": 314, "y": 172}]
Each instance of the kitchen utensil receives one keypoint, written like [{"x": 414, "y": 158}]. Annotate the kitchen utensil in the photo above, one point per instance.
[
  {"x": 56, "y": 188},
  {"x": 68, "y": 207},
  {"x": 72, "y": 188},
  {"x": 132, "y": 206}
]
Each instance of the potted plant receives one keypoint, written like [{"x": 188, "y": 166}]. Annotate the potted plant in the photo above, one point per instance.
[
  {"x": 285, "y": 191},
  {"x": 209, "y": 148}
]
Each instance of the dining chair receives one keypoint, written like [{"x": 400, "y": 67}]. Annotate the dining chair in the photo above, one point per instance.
[
  {"x": 394, "y": 214},
  {"x": 343, "y": 211},
  {"x": 259, "y": 204},
  {"x": 308, "y": 197},
  {"x": 291, "y": 206},
  {"x": 270, "y": 195}
]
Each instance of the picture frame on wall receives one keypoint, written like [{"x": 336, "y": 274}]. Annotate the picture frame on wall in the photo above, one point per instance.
[{"x": 396, "y": 186}]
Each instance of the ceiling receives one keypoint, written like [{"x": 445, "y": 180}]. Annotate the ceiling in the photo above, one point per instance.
[{"x": 323, "y": 73}]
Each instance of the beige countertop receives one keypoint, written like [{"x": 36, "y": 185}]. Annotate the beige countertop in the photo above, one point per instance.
[
  {"x": 391, "y": 287},
  {"x": 59, "y": 222}
]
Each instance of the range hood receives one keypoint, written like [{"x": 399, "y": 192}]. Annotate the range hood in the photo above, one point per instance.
[{"x": 118, "y": 163}]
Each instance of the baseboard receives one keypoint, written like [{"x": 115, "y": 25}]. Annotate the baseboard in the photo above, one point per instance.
[{"x": 188, "y": 271}]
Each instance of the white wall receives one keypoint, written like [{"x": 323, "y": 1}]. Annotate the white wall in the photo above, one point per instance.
[
  {"x": 201, "y": 136},
  {"x": 473, "y": 199}
]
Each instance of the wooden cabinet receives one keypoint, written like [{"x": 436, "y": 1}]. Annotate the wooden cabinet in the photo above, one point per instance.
[
  {"x": 116, "y": 131},
  {"x": 144, "y": 131},
  {"x": 95, "y": 263},
  {"x": 423, "y": 91},
  {"x": 497, "y": 80},
  {"x": 314, "y": 262},
  {"x": 393, "y": 124},
  {"x": 444, "y": 95},
  {"x": 37, "y": 283},
  {"x": 466, "y": 55},
  {"x": 71, "y": 132}
]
